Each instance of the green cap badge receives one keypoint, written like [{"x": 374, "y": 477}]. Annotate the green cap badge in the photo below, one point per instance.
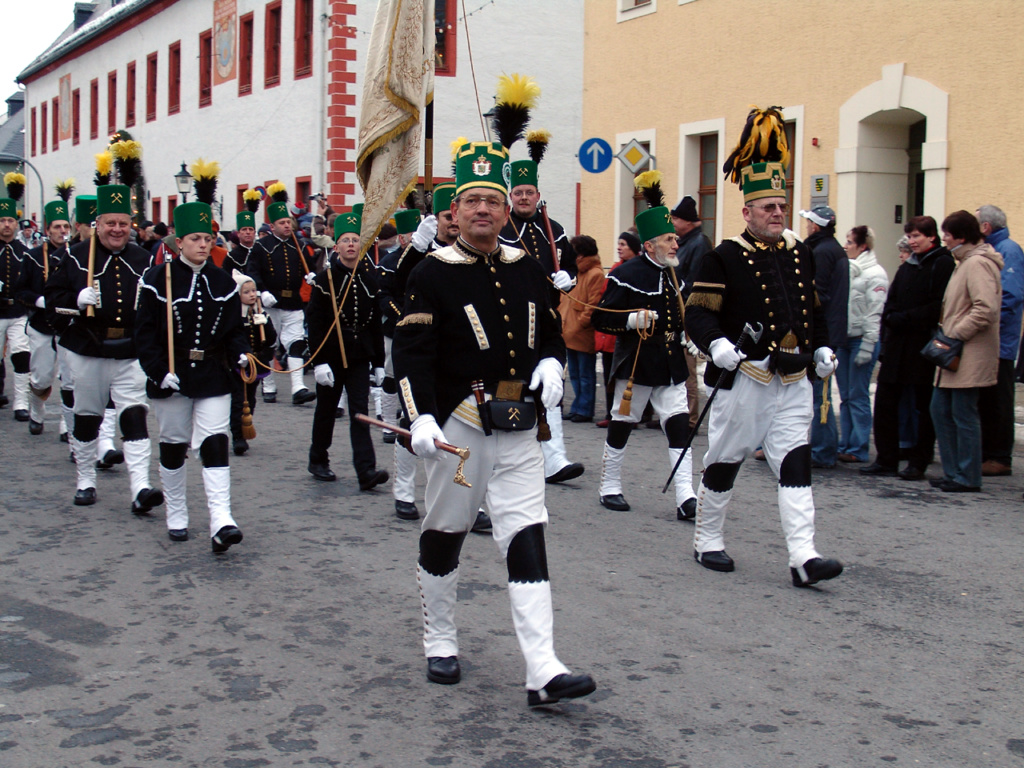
[
  {"x": 345, "y": 223},
  {"x": 523, "y": 172},
  {"x": 190, "y": 218},
  {"x": 85, "y": 209},
  {"x": 113, "y": 198},
  {"x": 481, "y": 164},
  {"x": 245, "y": 219},
  {"x": 56, "y": 210},
  {"x": 8, "y": 208},
  {"x": 407, "y": 220},
  {"x": 654, "y": 222},
  {"x": 277, "y": 211},
  {"x": 763, "y": 180},
  {"x": 443, "y": 195}
]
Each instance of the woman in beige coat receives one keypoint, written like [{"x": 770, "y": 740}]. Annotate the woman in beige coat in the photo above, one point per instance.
[{"x": 970, "y": 313}]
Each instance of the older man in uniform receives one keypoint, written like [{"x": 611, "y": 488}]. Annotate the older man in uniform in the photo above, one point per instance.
[
  {"x": 763, "y": 276},
  {"x": 245, "y": 224},
  {"x": 477, "y": 322},
  {"x": 101, "y": 349},
  {"x": 12, "y": 312}
]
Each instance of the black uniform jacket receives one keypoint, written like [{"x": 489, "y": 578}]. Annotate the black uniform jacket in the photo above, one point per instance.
[
  {"x": 237, "y": 258},
  {"x": 208, "y": 333},
  {"x": 471, "y": 315},
  {"x": 276, "y": 267},
  {"x": 360, "y": 317},
  {"x": 262, "y": 347},
  {"x": 641, "y": 284},
  {"x": 34, "y": 282},
  {"x": 394, "y": 270},
  {"x": 110, "y": 333},
  {"x": 531, "y": 236},
  {"x": 744, "y": 280},
  {"x": 14, "y": 278}
]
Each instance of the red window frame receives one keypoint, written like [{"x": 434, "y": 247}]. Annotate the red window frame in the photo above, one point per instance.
[
  {"x": 303, "y": 38},
  {"x": 157, "y": 205},
  {"x": 129, "y": 96},
  {"x": 172, "y": 203},
  {"x": 245, "y": 48},
  {"x": 76, "y": 116},
  {"x": 94, "y": 108},
  {"x": 445, "y": 44},
  {"x": 32, "y": 135},
  {"x": 112, "y": 102},
  {"x": 206, "y": 68},
  {"x": 44, "y": 113},
  {"x": 272, "y": 46},
  {"x": 55, "y": 127},
  {"x": 174, "y": 78},
  {"x": 151, "y": 75},
  {"x": 239, "y": 200}
]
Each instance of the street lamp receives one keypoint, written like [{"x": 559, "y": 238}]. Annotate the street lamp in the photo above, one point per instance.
[
  {"x": 488, "y": 120},
  {"x": 184, "y": 180}
]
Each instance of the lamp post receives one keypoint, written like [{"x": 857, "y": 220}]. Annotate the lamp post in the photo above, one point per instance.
[
  {"x": 184, "y": 180},
  {"x": 488, "y": 121}
]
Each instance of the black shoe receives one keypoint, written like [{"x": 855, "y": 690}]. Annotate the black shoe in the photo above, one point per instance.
[
  {"x": 373, "y": 479},
  {"x": 35, "y": 427},
  {"x": 568, "y": 472},
  {"x": 85, "y": 497},
  {"x": 270, "y": 397},
  {"x": 303, "y": 396},
  {"x": 821, "y": 465},
  {"x": 21, "y": 415},
  {"x": 406, "y": 510},
  {"x": 110, "y": 458},
  {"x": 390, "y": 437},
  {"x": 178, "y": 534},
  {"x": 911, "y": 473},
  {"x": 687, "y": 510},
  {"x": 482, "y": 524},
  {"x": 4, "y": 401},
  {"x": 444, "y": 670},
  {"x": 224, "y": 538},
  {"x": 952, "y": 486},
  {"x": 715, "y": 561},
  {"x": 814, "y": 570},
  {"x": 878, "y": 470},
  {"x": 616, "y": 503},
  {"x": 63, "y": 437},
  {"x": 938, "y": 482},
  {"x": 561, "y": 687},
  {"x": 240, "y": 446},
  {"x": 146, "y": 500},
  {"x": 339, "y": 413},
  {"x": 578, "y": 418},
  {"x": 322, "y": 472}
]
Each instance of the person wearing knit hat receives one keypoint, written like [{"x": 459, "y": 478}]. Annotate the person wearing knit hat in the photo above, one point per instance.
[
  {"x": 261, "y": 335},
  {"x": 40, "y": 264},
  {"x": 189, "y": 368},
  {"x": 281, "y": 268},
  {"x": 348, "y": 287},
  {"x": 13, "y": 274},
  {"x": 648, "y": 364},
  {"x": 477, "y": 345},
  {"x": 100, "y": 340},
  {"x": 764, "y": 277}
]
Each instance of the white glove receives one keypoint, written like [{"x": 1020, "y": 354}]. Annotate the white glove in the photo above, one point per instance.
[
  {"x": 1, "y": 285},
  {"x": 258, "y": 318},
  {"x": 864, "y": 354},
  {"x": 693, "y": 350},
  {"x": 87, "y": 296},
  {"x": 171, "y": 382},
  {"x": 324, "y": 375},
  {"x": 41, "y": 302},
  {"x": 424, "y": 234},
  {"x": 243, "y": 361},
  {"x": 634, "y": 318},
  {"x": 824, "y": 362},
  {"x": 310, "y": 278},
  {"x": 378, "y": 376},
  {"x": 548, "y": 376},
  {"x": 424, "y": 432},
  {"x": 562, "y": 280},
  {"x": 268, "y": 299},
  {"x": 724, "y": 354}
]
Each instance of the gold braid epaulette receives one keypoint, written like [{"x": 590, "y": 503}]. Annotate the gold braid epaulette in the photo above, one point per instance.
[
  {"x": 416, "y": 318},
  {"x": 710, "y": 300}
]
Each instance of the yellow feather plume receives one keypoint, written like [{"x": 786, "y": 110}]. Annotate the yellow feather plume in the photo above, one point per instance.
[
  {"x": 14, "y": 177},
  {"x": 647, "y": 179},
  {"x": 66, "y": 184},
  {"x": 205, "y": 169},
  {"x": 252, "y": 194},
  {"x": 273, "y": 189},
  {"x": 457, "y": 145},
  {"x": 104, "y": 162},
  {"x": 518, "y": 89},
  {"x": 540, "y": 136},
  {"x": 126, "y": 150}
]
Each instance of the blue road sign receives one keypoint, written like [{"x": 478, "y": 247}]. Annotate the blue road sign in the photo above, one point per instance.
[{"x": 595, "y": 155}]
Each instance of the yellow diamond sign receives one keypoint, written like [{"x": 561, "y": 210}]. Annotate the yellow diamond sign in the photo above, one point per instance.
[{"x": 634, "y": 156}]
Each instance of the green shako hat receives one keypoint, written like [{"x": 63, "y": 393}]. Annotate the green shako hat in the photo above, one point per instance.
[
  {"x": 113, "y": 198},
  {"x": 443, "y": 195},
  {"x": 85, "y": 209},
  {"x": 346, "y": 223},
  {"x": 277, "y": 208},
  {"x": 482, "y": 164},
  {"x": 190, "y": 218},
  {"x": 245, "y": 219},
  {"x": 8, "y": 208},
  {"x": 407, "y": 220},
  {"x": 656, "y": 220},
  {"x": 357, "y": 209},
  {"x": 523, "y": 172},
  {"x": 55, "y": 210},
  {"x": 758, "y": 163}
]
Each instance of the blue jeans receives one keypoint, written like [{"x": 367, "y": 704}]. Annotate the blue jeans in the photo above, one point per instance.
[
  {"x": 583, "y": 375},
  {"x": 824, "y": 437},
  {"x": 855, "y": 411},
  {"x": 958, "y": 429}
]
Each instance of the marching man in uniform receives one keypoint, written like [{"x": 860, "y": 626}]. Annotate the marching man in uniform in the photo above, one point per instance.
[
  {"x": 477, "y": 326},
  {"x": 763, "y": 276},
  {"x": 13, "y": 275},
  {"x": 245, "y": 223}
]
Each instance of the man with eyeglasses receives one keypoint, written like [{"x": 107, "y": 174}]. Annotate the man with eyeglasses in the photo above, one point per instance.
[
  {"x": 764, "y": 276},
  {"x": 477, "y": 345}
]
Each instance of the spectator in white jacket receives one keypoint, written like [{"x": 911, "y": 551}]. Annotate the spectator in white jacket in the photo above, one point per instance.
[{"x": 869, "y": 286}]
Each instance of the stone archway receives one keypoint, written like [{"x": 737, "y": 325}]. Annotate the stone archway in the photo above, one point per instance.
[{"x": 873, "y": 164}]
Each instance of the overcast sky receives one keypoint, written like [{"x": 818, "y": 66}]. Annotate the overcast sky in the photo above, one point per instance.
[{"x": 29, "y": 28}]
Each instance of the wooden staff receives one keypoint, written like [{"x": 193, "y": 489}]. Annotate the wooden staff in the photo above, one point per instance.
[
  {"x": 679, "y": 295},
  {"x": 551, "y": 235},
  {"x": 305, "y": 267},
  {"x": 90, "y": 311},
  {"x": 462, "y": 453},
  {"x": 170, "y": 317},
  {"x": 337, "y": 309},
  {"x": 46, "y": 259},
  {"x": 259, "y": 308}
]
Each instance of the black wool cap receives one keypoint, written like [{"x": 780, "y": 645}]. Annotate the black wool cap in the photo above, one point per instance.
[{"x": 686, "y": 210}]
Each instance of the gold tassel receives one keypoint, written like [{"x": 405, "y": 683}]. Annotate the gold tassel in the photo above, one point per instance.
[
  {"x": 627, "y": 396},
  {"x": 248, "y": 430}
]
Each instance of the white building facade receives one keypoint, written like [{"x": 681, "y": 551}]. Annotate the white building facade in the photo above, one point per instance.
[{"x": 271, "y": 91}]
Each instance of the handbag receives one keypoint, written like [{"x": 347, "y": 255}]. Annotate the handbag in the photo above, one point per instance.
[{"x": 943, "y": 351}]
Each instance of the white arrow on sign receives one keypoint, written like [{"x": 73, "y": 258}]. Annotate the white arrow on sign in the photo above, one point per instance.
[{"x": 595, "y": 151}]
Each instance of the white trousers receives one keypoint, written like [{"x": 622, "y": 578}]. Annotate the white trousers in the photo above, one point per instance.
[
  {"x": 404, "y": 485},
  {"x": 43, "y": 365},
  {"x": 12, "y": 333},
  {"x": 98, "y": 380},
  {"x": 290, "y": 328}
]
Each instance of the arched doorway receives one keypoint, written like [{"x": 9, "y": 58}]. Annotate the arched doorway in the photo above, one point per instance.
[{"x": 891, "y": 160}]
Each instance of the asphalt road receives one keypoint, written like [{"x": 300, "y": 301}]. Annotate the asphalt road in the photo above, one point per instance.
[{"x": 301, "y": 646}]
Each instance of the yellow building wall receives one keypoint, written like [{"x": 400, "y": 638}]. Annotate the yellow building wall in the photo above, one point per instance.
[{"x": 708, "y": 59}]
